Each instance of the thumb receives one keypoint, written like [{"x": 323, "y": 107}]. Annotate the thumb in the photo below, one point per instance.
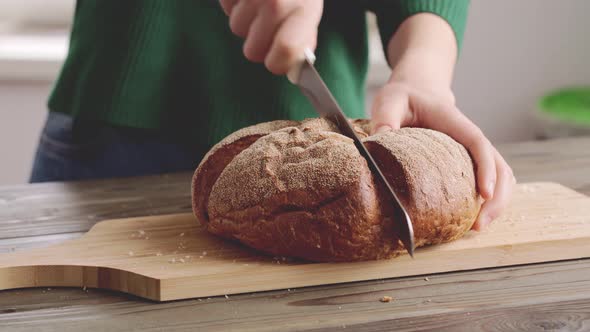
[{"x": 390, "y": 111}]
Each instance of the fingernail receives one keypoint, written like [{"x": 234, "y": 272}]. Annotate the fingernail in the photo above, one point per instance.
[
  {"x": 484, "y": 222},
  {"x": 383, "y": 129},
  {"x": 490, "y": 189}
]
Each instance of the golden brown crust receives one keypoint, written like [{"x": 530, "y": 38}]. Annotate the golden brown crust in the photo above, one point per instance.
[
  {"x": 303, "y": 190},
  {"x": 434, "y": 177},
  {"x": 220, "y": 156}
]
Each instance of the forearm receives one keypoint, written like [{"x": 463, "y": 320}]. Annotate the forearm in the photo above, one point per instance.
[{"x": 423, "y": 51}]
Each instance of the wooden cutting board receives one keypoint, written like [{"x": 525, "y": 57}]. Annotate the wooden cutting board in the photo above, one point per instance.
[{"x": 171, "y": 257}]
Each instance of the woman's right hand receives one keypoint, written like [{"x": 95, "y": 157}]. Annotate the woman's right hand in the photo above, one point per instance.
[{"x": 276, "y": 31}]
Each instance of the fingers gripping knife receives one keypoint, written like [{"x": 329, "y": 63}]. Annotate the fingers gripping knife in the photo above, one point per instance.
[{"x": 306, "y": 77}]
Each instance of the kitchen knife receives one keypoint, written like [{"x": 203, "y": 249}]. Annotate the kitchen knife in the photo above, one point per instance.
[{"x": 313, "y": 87}]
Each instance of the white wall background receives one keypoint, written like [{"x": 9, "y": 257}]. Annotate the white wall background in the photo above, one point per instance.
[
  {"x": 514, "y": 52},
  {"x": 22, "y": 112}
]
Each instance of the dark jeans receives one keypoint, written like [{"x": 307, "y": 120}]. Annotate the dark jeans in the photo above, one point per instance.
[{"x": 70, "y": 151}]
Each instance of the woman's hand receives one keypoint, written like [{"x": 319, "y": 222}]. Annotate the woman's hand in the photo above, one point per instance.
[
  {"x": 276, "y": 31},
  {"x": 401, "y": 104},
  {"x": 422, "y": 54}
]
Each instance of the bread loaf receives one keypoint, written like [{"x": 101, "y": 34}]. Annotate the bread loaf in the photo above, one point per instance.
[{"x": 301, "y": 189}]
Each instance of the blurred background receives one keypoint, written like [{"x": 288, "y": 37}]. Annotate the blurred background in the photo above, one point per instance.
[{"x": 514, "y": 53}]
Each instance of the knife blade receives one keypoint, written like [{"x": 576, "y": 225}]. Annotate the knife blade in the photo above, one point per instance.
[{"x": 313, "y": 87}]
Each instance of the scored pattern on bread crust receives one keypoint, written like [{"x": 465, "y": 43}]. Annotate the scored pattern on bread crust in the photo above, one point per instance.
[
  {"x": 302, "y": 189},
  {"x": 220, "y": 156},
  {"x": 435, "y": 180}
]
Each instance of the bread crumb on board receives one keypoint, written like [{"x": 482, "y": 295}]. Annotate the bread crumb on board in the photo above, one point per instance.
[
  {"x": 426, "y": 279},
  {"x": 386, "y": 299},
  {"x": 140, "y": 234}
]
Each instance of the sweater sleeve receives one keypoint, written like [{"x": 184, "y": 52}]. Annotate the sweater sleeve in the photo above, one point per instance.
[{"x": 391, "y": 13}]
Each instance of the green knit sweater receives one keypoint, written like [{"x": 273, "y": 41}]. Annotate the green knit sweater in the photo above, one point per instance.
[{"x": 174, "y": 65}]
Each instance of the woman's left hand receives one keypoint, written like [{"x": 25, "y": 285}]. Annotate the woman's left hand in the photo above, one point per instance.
[{"x": 404, "y": 104}]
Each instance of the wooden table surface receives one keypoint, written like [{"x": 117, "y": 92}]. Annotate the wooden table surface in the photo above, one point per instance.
[{"x": 539, "y": 297}]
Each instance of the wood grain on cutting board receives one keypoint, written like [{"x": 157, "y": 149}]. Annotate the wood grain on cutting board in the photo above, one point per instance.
[{"x": 171, "y": 257}]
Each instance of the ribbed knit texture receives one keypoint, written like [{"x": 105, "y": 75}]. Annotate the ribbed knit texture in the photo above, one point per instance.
[
  {"x": 391, "y": 14},
  {"x": 174, "y": 65}
]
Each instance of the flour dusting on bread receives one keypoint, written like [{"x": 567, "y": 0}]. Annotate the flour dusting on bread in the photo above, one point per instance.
[{"x": 301, "y": 189}]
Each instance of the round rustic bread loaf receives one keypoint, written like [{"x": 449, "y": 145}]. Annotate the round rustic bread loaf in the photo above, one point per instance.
[{"x": 301, "y": 189}]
